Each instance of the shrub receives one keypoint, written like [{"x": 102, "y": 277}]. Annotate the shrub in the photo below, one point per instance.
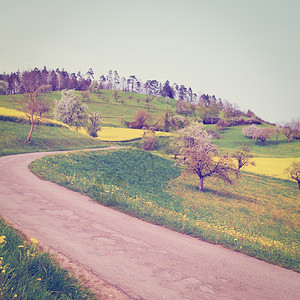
[
  {"x": 213, "y": 133},
  {"x": 179, "y": 122},
  {"x": 222, "y": 124},
  {"x": 149, "y": 141},
  {"x": 140, "y": 120},
  {"x": 237, "y": 121},
  {"x": 94, "y": 124}
]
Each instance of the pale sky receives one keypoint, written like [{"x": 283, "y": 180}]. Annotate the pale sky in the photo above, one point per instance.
[{"x": 244, "y": 51}]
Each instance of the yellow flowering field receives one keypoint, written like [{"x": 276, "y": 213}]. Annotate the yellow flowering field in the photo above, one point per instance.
[
  {"x": 114, "y": 134},
  {"x": 273, "y": 167},
  {"x": 8, "y": 112}
]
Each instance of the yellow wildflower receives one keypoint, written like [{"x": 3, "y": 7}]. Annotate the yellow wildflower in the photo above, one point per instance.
[
  {"x": 2, "y": 239},
  {"x": 34, "y": 241}
]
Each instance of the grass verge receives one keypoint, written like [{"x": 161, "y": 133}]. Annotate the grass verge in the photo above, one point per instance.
[
  {"x": 26, "y": 273},
  {"x": 259, "y": 217}
]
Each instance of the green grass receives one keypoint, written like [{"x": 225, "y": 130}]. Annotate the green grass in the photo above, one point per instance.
[
  {"x": 7, "y": 101},
  {"x": 26, "y": 273},
  {"x": 232, "y": 139},
  {"x": 44, "y": 138},
  {"x": 259, "y": 217},
  {"x": 112, "y": 110}
]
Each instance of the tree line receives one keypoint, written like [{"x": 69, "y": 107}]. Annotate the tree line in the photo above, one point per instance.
[
  {"x": 57, "y": 80},
  {"x": 51, "y": 80},
  {"x": 188, "y": 101}
]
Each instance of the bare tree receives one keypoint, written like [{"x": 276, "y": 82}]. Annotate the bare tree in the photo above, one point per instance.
[
  {"x": 174, "y": 147},
  {"x": 243, "y": 157},
  {"x": 116, "y": 95},
  {"x": 296, "y": 128},
  {"x": 85, "y": 95},
  {"x": 33, "y": 103},
  {"x": 277, "y": 131},
  {"x": 202, "y": 157},
  {"x": 3, "y": 87},
  {"x": 287, "y": 130}
]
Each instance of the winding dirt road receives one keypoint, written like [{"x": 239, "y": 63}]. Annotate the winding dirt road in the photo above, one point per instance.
[{"x": 142, "y": 261}]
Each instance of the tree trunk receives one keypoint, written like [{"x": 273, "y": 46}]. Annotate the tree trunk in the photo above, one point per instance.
[
  {"x": 30, "y": 132},
  {"x": 201, "y": 184}
]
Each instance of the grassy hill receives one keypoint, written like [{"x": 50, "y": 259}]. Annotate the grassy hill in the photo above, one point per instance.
[
  {"x": 110, "y": 109},
  {"x": 259, "y": 217}
]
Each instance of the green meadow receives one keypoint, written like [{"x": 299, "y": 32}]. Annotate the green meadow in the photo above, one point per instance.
[
  {"x": 259, "y": 216},
  {"x": 45, "y": 138}
]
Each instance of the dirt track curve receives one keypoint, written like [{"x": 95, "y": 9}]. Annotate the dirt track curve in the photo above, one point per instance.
[{"x": 141, "y": 260}]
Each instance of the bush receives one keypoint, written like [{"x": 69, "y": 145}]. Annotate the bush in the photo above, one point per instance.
[
  {"x": 140, "y": 120},
  {"x": 222, "y": 124},
  {"x": 213, "y": 133},
  {"x": 94, "y": 124},
  {"x": 149, "y": 141},
  {"x": 241, "y": 121},
  {"x": 179, "y": 122}
]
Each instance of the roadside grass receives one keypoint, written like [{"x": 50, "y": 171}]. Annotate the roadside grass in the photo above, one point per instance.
[
  {"x": 258, "y": 217},
  {"x": 45, "y": 138},
  {"x": 26, "y": 273}
]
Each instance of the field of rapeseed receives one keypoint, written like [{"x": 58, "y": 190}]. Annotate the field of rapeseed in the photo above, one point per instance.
[
  {"x": 8, "y": 114},
  {"x": 113, "y": 134},
  {"x": 109, "y": 134},
  {"x": 259, "y": 216},
  {"x": 274, "y": 167}
]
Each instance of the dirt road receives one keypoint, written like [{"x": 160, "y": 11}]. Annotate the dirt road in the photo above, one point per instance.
[{"x": 141, "y": 260}]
